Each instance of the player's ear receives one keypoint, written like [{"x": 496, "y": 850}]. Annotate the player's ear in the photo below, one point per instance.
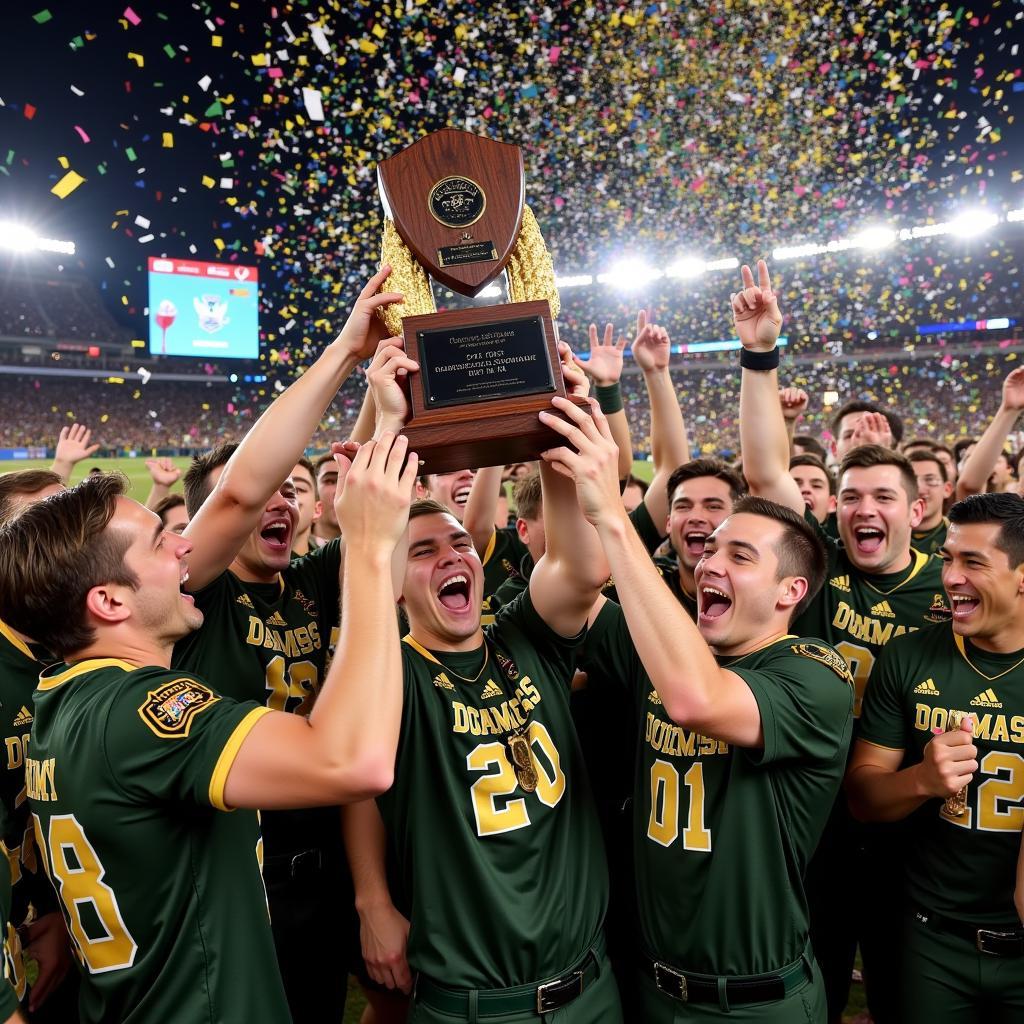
[
  {"x": 523, "y": 531},
  {"x": 106, "y": 603},
  {"x": 832, "y": 503},
  {"x": 792, "y": 590},
  {"x": 916, "y": 512},
  {"x": 318, "y": 510}
]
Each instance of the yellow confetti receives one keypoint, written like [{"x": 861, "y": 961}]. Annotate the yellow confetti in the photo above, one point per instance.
[
  {"x": 208, "y": 181},
  {"x": 67, "y": 185},
  {"x": 138, "y": 58},
  {"x": 216, "y": 40},
  {"x": 168, "y": 140}
]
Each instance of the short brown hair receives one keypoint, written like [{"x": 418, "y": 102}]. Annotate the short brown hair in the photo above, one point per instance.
[
  {"x": 856, "y": 405},
  {"x": 23, "y": 482},
  {"x": 53, "y": 554},
  {"x": 801, "y": 551},
  {"x": 930, "y": 456},
  {"x": 197, "y": 479},
  {"x": 918, "y": 442},
  {"x": 807, "y": 459},
  {"x": 867, "y": 455},
  {"x": 427, "y": 507},
  {"x": 320, "y": 461},
  {"x": 308, "y": 467},
  {"x": 165, "y": 504},
  {"x": 707, "y": 467},
  {"x": 528, "y": 497}
]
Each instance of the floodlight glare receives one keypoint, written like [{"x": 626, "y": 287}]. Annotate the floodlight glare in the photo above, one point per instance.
[
  {"x": 971, "y": 223},
  {"x": 689, "y": 266},
  {"x": 630, "y": 273},
  {"x": 16, "y": 237},
  {"x": 875, "y": 237}
]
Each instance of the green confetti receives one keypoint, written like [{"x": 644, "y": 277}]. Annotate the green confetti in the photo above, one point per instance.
[
  {"x": 214, "y": 109},
  {"x": 130, "y": 153},
  {"x": 42, "y": 17},
  {"x": 169, "y": 50},
  {"x": 10, "y": 157}
]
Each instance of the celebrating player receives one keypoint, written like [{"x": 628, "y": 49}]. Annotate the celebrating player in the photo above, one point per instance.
[
  {"x": 743, "y": 734},
  {"x": 934, "y": 489},
  {"x": 130, "y": 761},
  {"x": 939, "y": 746}
]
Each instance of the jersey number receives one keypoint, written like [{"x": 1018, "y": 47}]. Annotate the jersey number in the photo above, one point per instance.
[
  {"x": 299, "y": 680},
  {"x": 76, "y": 869},
  {"x": 999, "y": 797},
  {"x": 860, "y": 660},
  {"x": 491, "y": 818},
  {"x": 663, "y": 826}
]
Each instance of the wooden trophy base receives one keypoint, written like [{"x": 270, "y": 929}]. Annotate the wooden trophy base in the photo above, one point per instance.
[{"x": 485, "y": 374}]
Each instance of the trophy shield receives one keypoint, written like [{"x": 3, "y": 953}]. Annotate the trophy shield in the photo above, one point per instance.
[{"x": 455, "y": 211}]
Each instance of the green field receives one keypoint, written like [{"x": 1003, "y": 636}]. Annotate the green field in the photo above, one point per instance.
[{"x": 135, "y": 471}]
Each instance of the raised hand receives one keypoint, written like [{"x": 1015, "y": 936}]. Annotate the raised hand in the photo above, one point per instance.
[
  {"x": 163, "y": 472},
  {"x": 950, "y": 761},
  {"x": 593, "y": 467},
  {"x": 1013, "y": 390},
  {"x": 872, "y": 428},
  {"x": 385, "y": 376},
  {"x": 604, "y": 367},
  {"x": 577, "y": 383},
  {"x": 73, "y": 444},
  {"x": 363, "y": 330},
  {"x": 651, "y": 346},
  {"x": 375, "y": 490},
  {"x": 755, "y": 311},
  {"x": 793, "y": 401}
]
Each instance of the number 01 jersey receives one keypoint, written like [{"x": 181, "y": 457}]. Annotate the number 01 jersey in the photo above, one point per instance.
[
  {"x": 503, "y": 887},
  {"x": 722, "y": 835},
  {"x": 161, "y": 889},
  {"x": 963, "y": 867}
]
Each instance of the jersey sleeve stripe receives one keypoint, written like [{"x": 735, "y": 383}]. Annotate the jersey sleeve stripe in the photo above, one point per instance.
[
  {"x": 219, "y": 778},
  {"x": 881, "y": 746},
  {"x": 490, "y": 548}
]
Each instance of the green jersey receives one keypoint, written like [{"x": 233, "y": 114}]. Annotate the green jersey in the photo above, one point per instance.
[
  {"x": 161, "y": 890},
  {"x": 858, "y": 613},
  {"x": 272, "y": 643},
  {"x": 963, "y": 867},
  {"x": 30, "y": 891},
  {"x": 722, "y": 835},
  {"x": 12, "y": 985},
  {"x": 929, "y": 541},
  {"x": 500, "y": 561},
  {"x": 503, "y": 886}
]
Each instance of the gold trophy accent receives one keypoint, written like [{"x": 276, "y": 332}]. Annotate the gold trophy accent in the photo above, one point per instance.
[
  {"x": 956, "y": 805},
  {"x": 522, "y": 761}
]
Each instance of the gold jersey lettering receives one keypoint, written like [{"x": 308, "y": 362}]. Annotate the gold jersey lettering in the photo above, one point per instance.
[
  {"x": 675, "y": 741},
  {"x": 17, "y": 748},
  {"x": 864, "y": 627},
  {"x": 39, "y": 779},
  {"x": 256, "y": 631}
]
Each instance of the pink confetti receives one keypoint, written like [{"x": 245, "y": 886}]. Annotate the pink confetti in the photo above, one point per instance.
[
  {"x": 132, "y": 16},
  {"x": 554, "y": 53},
  {"x": 82, "y": 134},
  {"x": 274, "y": 73}
]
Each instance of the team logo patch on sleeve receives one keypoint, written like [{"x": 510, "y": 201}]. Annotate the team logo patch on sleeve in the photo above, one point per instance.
[
  {"x": 169, "y": 709},
  {"x": 826, "y": 656}
]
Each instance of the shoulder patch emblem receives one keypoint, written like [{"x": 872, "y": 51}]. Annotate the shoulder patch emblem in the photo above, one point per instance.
[
  {"x": 828, "y": 657},
  {"x": 169, "y": 709}
]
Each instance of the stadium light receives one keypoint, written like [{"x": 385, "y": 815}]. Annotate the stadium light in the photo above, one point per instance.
[
  {"x": 688, "y": 266},
  {"x": 16, "y": 237},
  {"x": 729, "y": 263},
  {"x": 630, "y": 273},
  {"x": 972, "y": 222},
  {"x": 1015, "y": 215},
  {"x": 878, "y": 236},
  {"x": 574, "y": 280}
]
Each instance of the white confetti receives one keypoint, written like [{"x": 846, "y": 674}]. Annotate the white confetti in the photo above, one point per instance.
[{"x": 314, "y": 103}]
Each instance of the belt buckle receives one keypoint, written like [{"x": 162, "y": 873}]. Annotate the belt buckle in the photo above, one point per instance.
[
  {"x": 561, "y": 985},
  {"x": 677, "y": 987},
  {"x": 984, "y": 934}
]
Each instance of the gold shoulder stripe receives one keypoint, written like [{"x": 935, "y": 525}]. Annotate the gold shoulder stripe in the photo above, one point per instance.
[
  {"x": 80, "y": 668},
  {"x": 827, "y": 657},
  {"x": 420, "y": 649},
  {"x": 922, "y": 559},
  {"x": 221, "y": 770},
  {"x": 168, "y": 710},
  {"x": 490, "y": 548},
  {"x": 14, "y": 640}
]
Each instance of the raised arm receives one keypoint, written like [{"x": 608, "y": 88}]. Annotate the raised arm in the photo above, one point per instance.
[
  {"x": 276, "y": 441},
  {"x": 604, "y": 368},
  {"x": 366, "y": 420},
  {"x": 345, "y": 750},
  {"x": 383, "y": 931},
  {"x": 794, "y": 404},
  {"x": 763, "y": 438},
  {"x": 72, "y": 447},
  {"x": 670, "y": 445},
  {"x": 978, "y": 468},
  {"x": 164, "y": 474},
  {"x": 482, "y": 506},
  {"x": 695, "y": 691}
]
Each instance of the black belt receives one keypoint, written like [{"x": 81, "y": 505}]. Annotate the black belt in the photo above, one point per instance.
[
  {"x": 543, "y": 998},
  {"x": 1002, "y": 941},
  {"x": 283, "y": 867},
  {"x": 688, "y": 987}
]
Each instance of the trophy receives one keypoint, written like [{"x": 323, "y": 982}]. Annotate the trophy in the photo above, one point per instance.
[{"x": 454, "y": 209}]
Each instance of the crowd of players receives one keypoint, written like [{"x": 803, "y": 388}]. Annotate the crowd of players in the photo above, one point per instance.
[{"x": 666, "y": 752}]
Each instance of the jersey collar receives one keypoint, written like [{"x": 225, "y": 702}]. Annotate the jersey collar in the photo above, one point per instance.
[
  {"x": 15, "y": 641},
  {"x": 51, "y": 682}
]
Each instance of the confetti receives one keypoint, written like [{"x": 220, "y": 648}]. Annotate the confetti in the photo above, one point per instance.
[
  {"x": 132, "y": 16},
  {"x": 41, "y": 17},
  {"x": 67, "y": 185}
]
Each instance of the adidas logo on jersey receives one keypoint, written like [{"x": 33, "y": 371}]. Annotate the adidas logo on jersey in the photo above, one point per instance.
[
  {"x": 840, "y": 583},
  {"x": 23, "y": 717},
  {"x": 490, "y": 690},
  {"x": 277, "y": 619},
  {"x": 883, "y": 611},
  {"x": 244, "y": 599},
  {"x": 928, "y": 688},
  {"x": 653, "y": 697},
  {"x": 988, "y": 699},
  {"x": 443, "y": 681}
]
